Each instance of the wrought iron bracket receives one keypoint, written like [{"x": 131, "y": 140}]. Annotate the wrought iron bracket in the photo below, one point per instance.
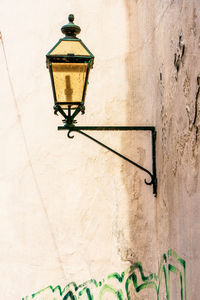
[{"x": 152, "y": 174}]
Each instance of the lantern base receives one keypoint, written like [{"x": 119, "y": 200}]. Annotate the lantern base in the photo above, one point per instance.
[{"x": 69, "y": 118}]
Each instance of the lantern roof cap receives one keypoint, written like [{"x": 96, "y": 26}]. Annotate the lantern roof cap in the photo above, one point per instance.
[{"x": 70, "y": 30}]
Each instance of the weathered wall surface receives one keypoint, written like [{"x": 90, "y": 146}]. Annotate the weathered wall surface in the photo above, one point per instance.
[
  {"x": 165, "y": 48},
  {"x": 71, "y": 211}
]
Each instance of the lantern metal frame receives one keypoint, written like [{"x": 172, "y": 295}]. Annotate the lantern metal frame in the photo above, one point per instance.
[
  {"x": 69, "y": 58},
  {"x": 70, "y": 30}
]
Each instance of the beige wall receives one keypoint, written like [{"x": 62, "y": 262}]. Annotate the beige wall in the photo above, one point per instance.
[{"x": 71, "y": 211}]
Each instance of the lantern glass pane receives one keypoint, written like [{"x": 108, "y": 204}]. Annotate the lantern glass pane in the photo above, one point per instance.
[
  {"x": 69, "y": 81},
  {"x": 70, "y": 47}
]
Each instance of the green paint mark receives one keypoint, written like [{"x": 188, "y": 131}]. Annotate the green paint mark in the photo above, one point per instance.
[
  {"x": 57, "y": 288},
  {"x": 107, "y": 288},
  {"x": 170, "y": 263},
  {"x": 117, "y": 276},
  {"x": 88, "y": 282},
  {"x": 70, "y": 295},
  {"x": 87, "y": 290},
  {"x": 166, "y": 283},
  {"x": 173, "y": 253},
  {"x": 133, "y": 278},
  {"x": 90, "y": 297}
]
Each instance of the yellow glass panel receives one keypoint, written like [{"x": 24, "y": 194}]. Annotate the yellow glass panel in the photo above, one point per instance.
[
  {"x": 69, "y": 81},
  {"x": 70, "y": 47}
]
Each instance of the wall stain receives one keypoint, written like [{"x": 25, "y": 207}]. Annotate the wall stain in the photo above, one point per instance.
[
  {"x": 194, "y": 23},
  {"x": 186, "y": 86},
  {"x": 192, "y": 108}
]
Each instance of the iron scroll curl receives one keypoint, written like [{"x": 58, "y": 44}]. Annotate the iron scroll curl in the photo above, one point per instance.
[{"x": 68, "y": 134}]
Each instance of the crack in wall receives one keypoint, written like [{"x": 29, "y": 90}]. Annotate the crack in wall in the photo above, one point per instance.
[
  {"x": 196, "y": 100},
  {"x": 196, "y": 111},
  {"x": 179, "y": 55}
]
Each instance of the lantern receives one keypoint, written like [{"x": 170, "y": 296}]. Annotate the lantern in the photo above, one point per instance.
[{"x": 69, "y": 63}]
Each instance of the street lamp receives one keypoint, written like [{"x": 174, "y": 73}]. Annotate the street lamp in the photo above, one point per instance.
[{"x": 69, "y": 63}]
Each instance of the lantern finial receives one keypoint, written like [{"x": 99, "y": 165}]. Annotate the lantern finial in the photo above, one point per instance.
[
  {"x": 71, "y": 30},
  {"x": 71, "y": 18}
]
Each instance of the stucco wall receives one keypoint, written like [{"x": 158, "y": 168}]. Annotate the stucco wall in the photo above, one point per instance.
[{"x": 71, "y": 211}]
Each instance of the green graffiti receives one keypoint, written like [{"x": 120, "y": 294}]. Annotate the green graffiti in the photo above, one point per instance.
[
  {"x": 87, "y": 291},
  {"x": 133, "y": 278},
  {"x": 107, "y": 288},
  {"x": 57, "y": 288},
  {"x": 122, "y": 286},
  {"x": 70, "y": 295},
  {"x": 120, "y": 278}
]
